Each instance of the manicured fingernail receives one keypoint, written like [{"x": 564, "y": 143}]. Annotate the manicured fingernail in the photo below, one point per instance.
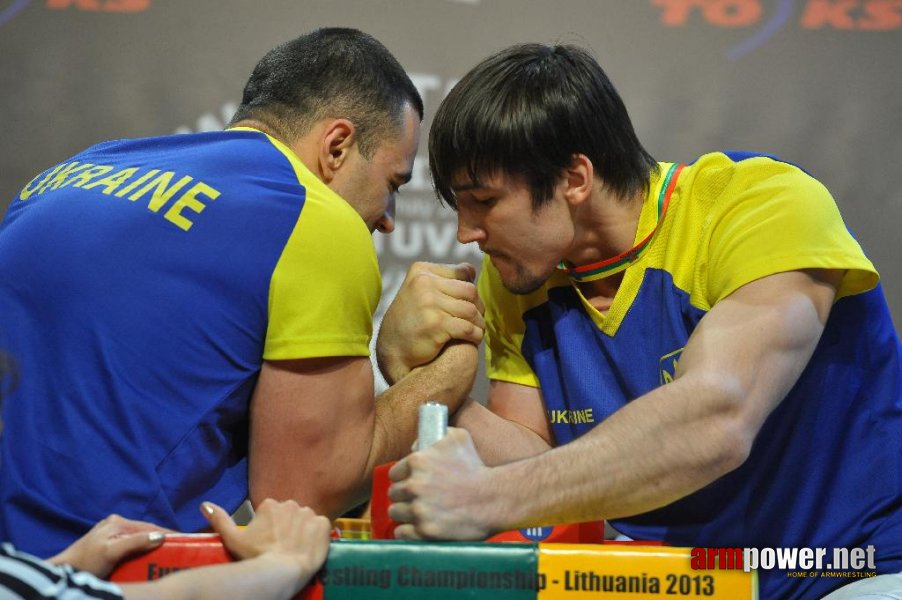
[
  {"x": 155, "y": 536},
  {"x": 208, "y": 508}
]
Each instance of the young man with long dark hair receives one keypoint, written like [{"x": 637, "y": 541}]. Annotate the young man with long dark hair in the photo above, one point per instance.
[{"x": 700, "y": 353}]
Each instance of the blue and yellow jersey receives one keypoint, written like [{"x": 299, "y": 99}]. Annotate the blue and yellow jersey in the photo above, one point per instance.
[
  {"x": 142, "y": 284},
  {"x": 826, "y": 467}
]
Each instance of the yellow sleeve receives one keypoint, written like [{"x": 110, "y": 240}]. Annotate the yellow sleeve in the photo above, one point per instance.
[
  {"x": 504, "y": 330},
  {"x": 326, "y": 284},
  {"x": 773, "y": 218}
]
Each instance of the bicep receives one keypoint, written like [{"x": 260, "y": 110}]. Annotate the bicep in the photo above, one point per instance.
[
  {"x": 311, "y": 427},
  {"x": 756, "y": 342},
  {"x": 520, "y": 404},
  {"x": 513, "y": 427}
]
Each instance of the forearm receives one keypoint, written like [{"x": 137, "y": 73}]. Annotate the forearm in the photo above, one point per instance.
[
  {"x": 645, "y": 456},
  {"x": 498, "y": 440},
  {"x": 741, "y": 361},
  {"x": 261, "y": 577},
  {"x": 317, "y": 433},
  {"x": 311, "y": 427},
  {"x": 335, "y": 473},
  {"x": 446, "y": 380}
]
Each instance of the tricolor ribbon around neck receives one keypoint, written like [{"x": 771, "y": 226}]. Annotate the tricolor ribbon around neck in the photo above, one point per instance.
[{"x": 610, "y": 266}]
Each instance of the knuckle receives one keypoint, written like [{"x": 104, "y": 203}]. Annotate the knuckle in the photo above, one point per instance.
[
  {"x": 415, "y": 461},
  {"x": 412, "y": 491},
  {"x": 418, "y": 512},
  {"x": 420, "y": 283},
  {"x": 422, "y": 271},
  {"x": 396, "y": 492},
  {"x": 456, "y": 434},
  {"x": 430, "y": 529},
  {"x": 471, "y": 312},
  {"x": 433, "y": 317},
  {"x": 439, "y": 336}
]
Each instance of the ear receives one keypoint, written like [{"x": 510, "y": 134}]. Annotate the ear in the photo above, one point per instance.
[
  {"x": 336, "y": 142},
  {"x": 579, "y": 179}
]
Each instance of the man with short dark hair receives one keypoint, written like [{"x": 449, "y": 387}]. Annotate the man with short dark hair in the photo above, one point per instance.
[
  {"x": 700, "y": 353},
  {"x": 191, "y": 314}
]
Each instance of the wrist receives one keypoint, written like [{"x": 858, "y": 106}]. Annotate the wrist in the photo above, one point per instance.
[
  {"x": 493, "y": 512},
  {"x": 60, "y": 559},
  {"x": 292, "y": 566},
  {"x": 501, "y": 511},
  {"x": 392, "y": 368}
]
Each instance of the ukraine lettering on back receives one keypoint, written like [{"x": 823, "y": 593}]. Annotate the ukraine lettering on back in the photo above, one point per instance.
[{"x": 155, "y": 188}]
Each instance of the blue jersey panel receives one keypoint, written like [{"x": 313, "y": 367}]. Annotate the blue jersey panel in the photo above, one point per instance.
[
  {"x": 819, "y": 474},
  {"x": 136, "y": 302},
  {"x": 826, "y": 468}
]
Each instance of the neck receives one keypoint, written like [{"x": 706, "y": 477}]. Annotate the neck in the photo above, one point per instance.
[
  {"x": 606, "y": 227},
  {"x": 302, "y": 147},
  {"x": 261, "y": 126},
  {"x": 600, "y": 293},
  {"x": 628, "y": 249}
]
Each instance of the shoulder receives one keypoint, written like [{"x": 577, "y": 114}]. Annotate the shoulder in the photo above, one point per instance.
[
  {"x": 762, "y": 215},
  {"x": 720, "y": 174}
]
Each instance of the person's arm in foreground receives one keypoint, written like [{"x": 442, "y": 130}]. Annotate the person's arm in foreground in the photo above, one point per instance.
[
  {"x": 281, "y": 550},
  {"x": 108, "y": 542},
  {"x": 742, "y": 359}
]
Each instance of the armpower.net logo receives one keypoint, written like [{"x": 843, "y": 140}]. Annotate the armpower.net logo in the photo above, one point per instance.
[{"x": 797, "y": 562}]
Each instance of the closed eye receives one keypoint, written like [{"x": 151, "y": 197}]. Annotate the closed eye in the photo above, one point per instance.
[{"x": 398, "y": 181}]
